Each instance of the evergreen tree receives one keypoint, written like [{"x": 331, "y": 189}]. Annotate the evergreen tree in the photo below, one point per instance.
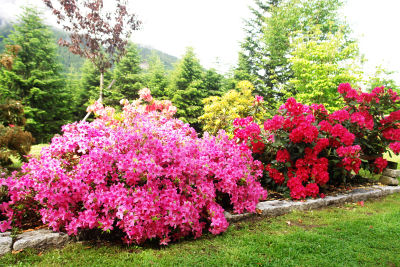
[
  {"x": 266, "y": 49},
  {"x": 186, "y": 89},
  {"x": 36, "y": 78},
  {"x": 89, "y": 87},
  {"x": 127, "y": 75},
  {"x": 155, "y": 79},
  {"x": 213, "y": 83}
]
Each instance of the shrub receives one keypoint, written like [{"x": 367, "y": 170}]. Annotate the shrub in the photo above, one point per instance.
[
  {"x": 13, "y": 139},
  {"x": 365, "y": 116},
  {"x": 140, "y": 172},
  {"x": 304, "y": 147},
  {"x": 220, "y": 111}
]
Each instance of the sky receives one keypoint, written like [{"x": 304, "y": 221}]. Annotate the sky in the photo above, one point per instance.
[{"x": 214, "y": 28}]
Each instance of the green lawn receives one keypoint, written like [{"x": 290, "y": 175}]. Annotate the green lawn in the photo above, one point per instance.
[
  {"x": 35, "y": 150},
  {"x": 350, "y": 235}
]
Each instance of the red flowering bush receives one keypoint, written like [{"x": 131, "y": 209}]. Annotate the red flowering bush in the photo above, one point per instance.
[
  {"x": 140, "y": 172},
  {"x": 366, "y": 118},
  {"x": 304, "y": 147}
]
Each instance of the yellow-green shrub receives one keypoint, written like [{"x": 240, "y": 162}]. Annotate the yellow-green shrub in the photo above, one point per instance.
[{"x": 220, "y": 111}]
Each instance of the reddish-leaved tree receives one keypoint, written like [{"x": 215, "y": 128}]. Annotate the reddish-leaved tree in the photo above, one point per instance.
[{"x": 96, "y": 32}]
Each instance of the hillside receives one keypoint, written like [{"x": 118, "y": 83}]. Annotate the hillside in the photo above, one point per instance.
[{"x": 73, "y": 62}]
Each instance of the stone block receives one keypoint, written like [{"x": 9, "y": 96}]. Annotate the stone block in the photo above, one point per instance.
[
  {"x": 386, "y": 180},
  {"x": 5, "y": 243},
  {"x": 391, "y": 173},
  {"x": 40, "y": 239}
]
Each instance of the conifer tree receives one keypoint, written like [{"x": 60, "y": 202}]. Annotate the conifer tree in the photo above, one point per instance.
[
  {"x": 89, "y": 87},
  {"x": 36, "y": 78},
  {"x": 156, "y": 79},
  {"x": 127, "y": 75},
  {"x": 186, "y": 89}
]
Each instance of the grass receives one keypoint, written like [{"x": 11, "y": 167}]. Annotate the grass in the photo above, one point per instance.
[
  {"x": 350, "y": 235},
  {"x": 35, "y": 150}
]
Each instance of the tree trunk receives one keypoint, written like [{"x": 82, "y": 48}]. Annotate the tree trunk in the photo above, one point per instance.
[
  {"x": 100, "y": 100},
  {"x": 101, "y": 87}
]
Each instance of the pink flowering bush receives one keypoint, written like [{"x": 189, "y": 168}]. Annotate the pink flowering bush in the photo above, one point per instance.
[
  {"x": 141, "y": 172},
  {"x": 304, "y": 147}
]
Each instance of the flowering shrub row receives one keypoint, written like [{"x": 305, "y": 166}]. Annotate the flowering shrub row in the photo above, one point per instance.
[
  {"x": 304, "y": 147},
  {"x": 139, "y": 171}
]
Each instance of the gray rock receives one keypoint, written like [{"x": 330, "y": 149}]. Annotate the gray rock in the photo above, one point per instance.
[
  {"x": 335, "y": 200},
  {"x": 386, "y": 180},
  {"x": 5, "y": 243},
  {"x": 279, "y": 207},
  {"x": 388, "y": 190},
  {"x": 40, "y": 239},
  {"x": 391, "y": 173}
]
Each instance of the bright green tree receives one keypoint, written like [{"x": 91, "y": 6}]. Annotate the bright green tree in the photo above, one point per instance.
[
  {"x": 266, "y": 48},
  {"x": 36, "y": 78},
  {"x": 320, "y": 65},
  {"x": 383, "y": 77},
  {"x": 127, "y": 75}
]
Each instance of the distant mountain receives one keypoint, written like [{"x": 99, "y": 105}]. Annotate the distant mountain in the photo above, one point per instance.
[
  {"x": 146, "y": 52},
  {"x": 74, "y": 62}
]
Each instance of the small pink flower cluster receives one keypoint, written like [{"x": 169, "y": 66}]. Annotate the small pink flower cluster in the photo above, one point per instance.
[
  {"x": 141, "y": 172},
  {"x": 258, "y": 100}
]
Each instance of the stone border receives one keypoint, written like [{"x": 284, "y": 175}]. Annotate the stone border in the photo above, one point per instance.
[
  {"x": 44, "y": 238},
  {"x": 38, "y": 239},
  {"x": 279, "y": 207}
]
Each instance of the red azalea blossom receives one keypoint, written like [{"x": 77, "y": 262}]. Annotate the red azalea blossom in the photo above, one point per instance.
[
  {"x": 380, "y": 164},
  {"x": 282, "y": 156}
]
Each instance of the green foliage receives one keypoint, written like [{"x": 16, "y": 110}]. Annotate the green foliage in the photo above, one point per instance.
[
  {"x": 319, "y": 64},
  {"x": 186, "y": 89},
  {"x": 14, "y": 141},
  {"x": 266, "y": 48},
  {"x": 220, "y": 111},
  {"x": 189, "y": 85},
  {"x": 383, "y": 77},
  {"x": 127, "y": 75},
  {"x": 5, "y": 30},
  {"x": 213, "y": 82},
  {"x": 156, "y": 79},
  {"x": 36, "y": 77},
  {"x": 89, "y": 87}
]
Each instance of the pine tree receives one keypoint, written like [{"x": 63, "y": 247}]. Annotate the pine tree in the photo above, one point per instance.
[
  {"x": 127, "y": 75},
  {"x": 36, "y": 78},
  {"x": 89, "y": 87},
  {"x": 156, "y": 79},
  {"x": 213, "y": 83},
  {"x": 186, "y": 89}
]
